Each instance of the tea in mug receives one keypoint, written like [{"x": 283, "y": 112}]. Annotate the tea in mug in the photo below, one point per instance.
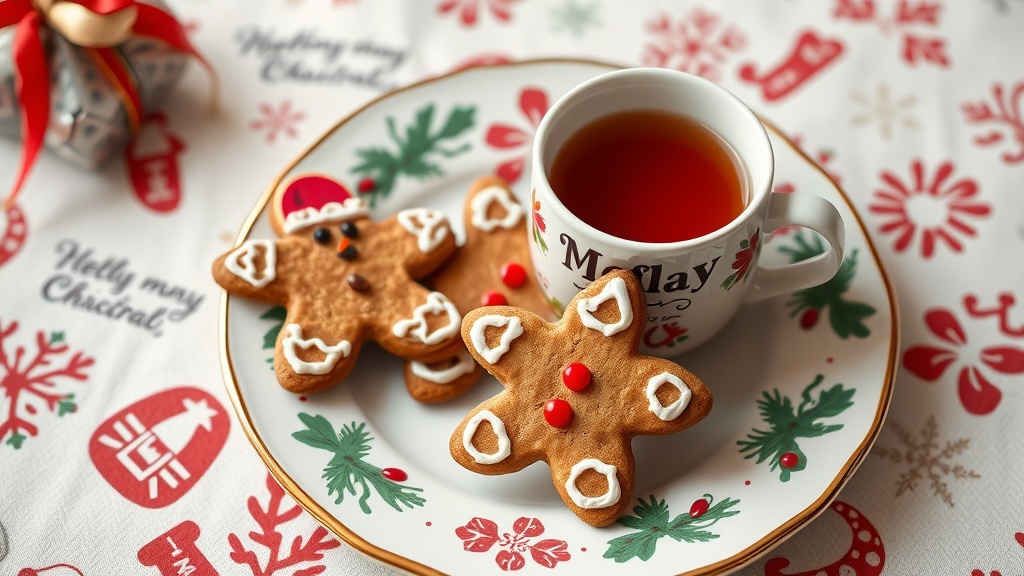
[{"x": 649, "y": 176}]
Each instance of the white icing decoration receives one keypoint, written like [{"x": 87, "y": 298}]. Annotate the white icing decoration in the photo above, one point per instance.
[
  {"x": 673, "y": 410},
  {"x": 615, "y": 288},
  {"x": 483, "y": 200},
  {"x": 429, "y": 226},
  {"x": 504, "y": 444},
  {"x": 591, "y": 502},
  {"x": 464, "y": 365},
  {"x": 479, "y": 339},
  {"x": 346, "y": 210},
  {"x": 294, "y": 338},
  {"x": 417, "y": 326},
  {"x": 242, "y": 262}
]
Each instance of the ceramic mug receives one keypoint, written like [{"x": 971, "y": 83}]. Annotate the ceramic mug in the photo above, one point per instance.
[{"x": 694, "y": 287}]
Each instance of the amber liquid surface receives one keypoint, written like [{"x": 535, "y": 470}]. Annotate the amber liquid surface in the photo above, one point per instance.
[{"x": 649, "y": 176}]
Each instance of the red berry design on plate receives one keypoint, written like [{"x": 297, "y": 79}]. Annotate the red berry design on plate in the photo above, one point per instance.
[
  {"x": 789, "y": 460},
  {"x": 576, "y": 377},
  {"x": 558, "y": 413},
  {"x": 809, "y": 318},
  {"x": 493, "y": 298},
  {"x": 513, "y": 275},
  {"x": 394, "y": 474},
  {"x": 700, "y": 506},
  {"x": 367, "y": 185}
]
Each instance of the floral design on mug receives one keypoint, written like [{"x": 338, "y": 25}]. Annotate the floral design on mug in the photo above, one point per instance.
[
  {"x": 750, "y": 247},
  {"x": 935, "y": 209},
  {"x": 481, "y": 534},
  {"x": 539, "y": 226},
  {"x": 697, "y": 44},
  {"x": 976, "y": 386},
  {"x": 533, "y": 102}
]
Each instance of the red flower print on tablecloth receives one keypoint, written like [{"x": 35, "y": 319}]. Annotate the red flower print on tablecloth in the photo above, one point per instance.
[
  {"x": 978, "y": 370},
  {"x": 533, "y": 102},
  {"x": 468, "y": 10},
  {"x": 13, "y": 231},
  {"x": 481, "y": 534},
  {"x": 1004, "y": 118},
  {"x": 936, "y": 210},
  {"x": 29, "y": 382},
  {"x": 909, "y": 19},
  {"x": 699, "y": 44},
  {"x": 279, "y": 120},
  {"x": 279, "y": 556}
]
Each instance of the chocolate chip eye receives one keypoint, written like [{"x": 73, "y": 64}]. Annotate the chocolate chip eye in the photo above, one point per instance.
[
  {"x": 322, "y": 235},
  {"x": 350, "y": 230}
]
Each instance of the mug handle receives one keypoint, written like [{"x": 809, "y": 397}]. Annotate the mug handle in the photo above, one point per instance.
[{"x": 809, "y": 211}]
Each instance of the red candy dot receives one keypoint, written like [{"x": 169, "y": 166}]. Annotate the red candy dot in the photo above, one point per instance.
[
  {"x": 558, "y": 413},
  {"x": 394, "y": 474},
  {"x": 576, "y": 377},
  {"x": 493, "y": 298},
  {"x": 513, "y": 275},
  {"x": 367, "y": 184},
  {"x": 302, "y": 398},
  {"x": 429, "y": 523},
  {"x": 789, "y": 460},
  {"x": 746, "y": 483}
]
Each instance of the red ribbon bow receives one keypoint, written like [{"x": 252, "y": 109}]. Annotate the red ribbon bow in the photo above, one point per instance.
[{"x": 95, "y": 25}]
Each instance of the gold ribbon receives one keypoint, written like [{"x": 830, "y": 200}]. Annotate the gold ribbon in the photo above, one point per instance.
[{"x": 84, "y": 27}]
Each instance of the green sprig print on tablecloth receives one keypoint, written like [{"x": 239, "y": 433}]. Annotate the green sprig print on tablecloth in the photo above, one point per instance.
[
  {"x": 844, "y": 316},
  {"x": 652, "y": 523},
  {"x": 348, "y": 471},
  {"x": 413, "y": 156},
  {"x": 788, "y": 424}
]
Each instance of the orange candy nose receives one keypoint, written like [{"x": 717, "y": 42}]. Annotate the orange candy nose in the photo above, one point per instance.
[{"x": 346, "y": 249}]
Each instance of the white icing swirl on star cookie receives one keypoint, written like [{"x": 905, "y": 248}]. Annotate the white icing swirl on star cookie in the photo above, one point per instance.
[
  {"x": 504, "y": 444},
  {"x": 293, "y": 339},
  {"x": 673, "y": 410},
  {"x": 242, "y": 262},
  {"x": 482, "y": 201},
  {"x": 611, "y": 496},
  {"x": 478, "y": 337}
]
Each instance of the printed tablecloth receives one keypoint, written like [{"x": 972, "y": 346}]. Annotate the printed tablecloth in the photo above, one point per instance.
[{"x": 108, "y": 310}]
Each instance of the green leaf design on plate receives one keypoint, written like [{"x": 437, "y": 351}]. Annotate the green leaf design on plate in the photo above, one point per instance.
[{"x": 652, "y": 523}]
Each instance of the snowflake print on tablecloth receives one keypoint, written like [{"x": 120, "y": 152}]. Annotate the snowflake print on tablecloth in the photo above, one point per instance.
[
  {"x": 652, "y": 523},
  {"x": 277, "y": 121},
  {"x": 414, "y": 157},
  {"x": 29, "y": 383},
  {"x": 778, "y": 444},
  {"x": 885, "y": 110},
  {"x": 911, "y": 20},
  {"x": 468, "y": 10},
  {"x": 846, "y": 317},
  {"x": 278, "y": 556},
  {"x": 533, "y": 103},
  {"x": 936, "y": 209},
  {"x": 980, "y": 370},
  {"x": 480, "y": 535},
  {"x": 348, "y": 469},
  {"x": 864, "y": 557},
  {"x": 1003, "y": 6},
  {"x": 926, "y": 459},
  {"x": 576, "y": 17},
  {"x": 699, "y": 44},
  {"x": 749, "y": 248},
  {"x": 1004, "y": 120}
]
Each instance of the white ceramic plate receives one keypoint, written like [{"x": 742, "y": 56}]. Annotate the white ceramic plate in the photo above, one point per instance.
[{"x": 801, "y": 381}]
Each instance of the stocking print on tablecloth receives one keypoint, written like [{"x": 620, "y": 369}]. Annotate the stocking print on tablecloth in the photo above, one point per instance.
[
  {"x": 154, "y": 169},
  {"x": 155, "y": 450},
  {"x": 176, "y": 553}
]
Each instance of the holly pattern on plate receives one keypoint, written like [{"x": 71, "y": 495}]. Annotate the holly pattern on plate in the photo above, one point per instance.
[
  {"x": 653, "y": 522},
  {"x": 276, "y": 315},
  {"x": 480, "y": 535},
  {"x": 348, "y": 471},
  {"x": 415, "y": 154},
  {"x": 28, "y": 382},
  {"x": 846, "y": 317},
  {"x": 778, "y": 444}
]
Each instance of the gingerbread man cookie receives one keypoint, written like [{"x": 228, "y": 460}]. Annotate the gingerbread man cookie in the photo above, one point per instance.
[
  {"x": 344, "y": 279},
  {"x": 576, "y": 392},
  {"x": 493, "y": 267}
]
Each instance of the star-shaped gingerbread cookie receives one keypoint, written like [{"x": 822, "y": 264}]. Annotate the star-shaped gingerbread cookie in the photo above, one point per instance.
[
  {"x": 576, "y": 392},
  {"x": 344, "y": 279}
]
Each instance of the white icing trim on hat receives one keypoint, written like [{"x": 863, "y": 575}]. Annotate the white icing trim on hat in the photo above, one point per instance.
[
  {"x": 464, "y": 364},
  {"x": 479, "y": 339},
  {"x": 242, "y": 262},
  {"x": 431, "y": 229},
  {"x": 347, "y": 209},
  {"x": 592, "y": 502},
  {"x": 615, "y": 288},
  {"x": 416, "y": 327},
  {"x": 299, "y": 366},
  {"x": 504, "y": 444},
  {"x": 482, "y": 201},
  {"x": 673, "y": 410}
]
